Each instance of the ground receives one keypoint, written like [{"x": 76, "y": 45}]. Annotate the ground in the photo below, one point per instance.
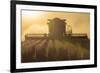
[{"x": 47, "y": 49}]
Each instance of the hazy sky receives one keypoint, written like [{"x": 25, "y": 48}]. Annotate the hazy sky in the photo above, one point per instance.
[{"x": 35, "y": 22}]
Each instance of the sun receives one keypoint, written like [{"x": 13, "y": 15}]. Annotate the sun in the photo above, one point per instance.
[{"x": 32, "y": 13}]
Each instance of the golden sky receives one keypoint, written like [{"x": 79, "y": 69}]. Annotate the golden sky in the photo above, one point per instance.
[{"x": 35, "y": 22}]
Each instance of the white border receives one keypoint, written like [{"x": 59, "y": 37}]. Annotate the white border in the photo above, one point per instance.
[{"x": 20, "y": 65}]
